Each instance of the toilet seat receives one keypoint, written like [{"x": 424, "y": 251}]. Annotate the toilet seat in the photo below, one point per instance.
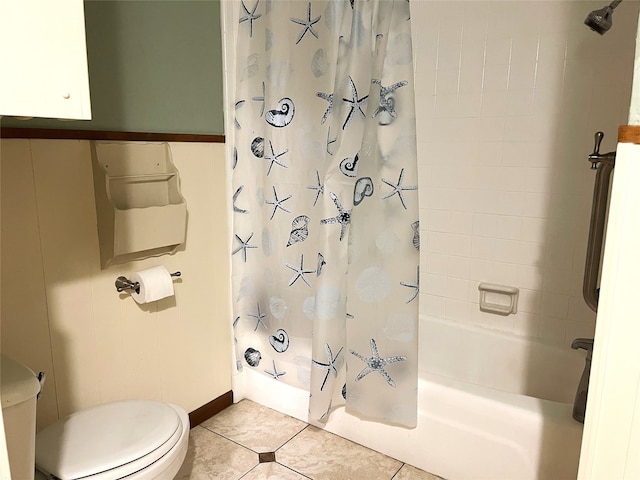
[{"x": 110, "y": 441}]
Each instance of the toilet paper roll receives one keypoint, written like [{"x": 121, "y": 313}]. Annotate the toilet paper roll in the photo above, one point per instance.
[{"x": 155, "y": 283}]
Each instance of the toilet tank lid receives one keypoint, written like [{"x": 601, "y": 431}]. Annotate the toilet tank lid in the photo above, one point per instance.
[
  {"x": 17, "y": 383},
  {"x": 107, "y": 437}
]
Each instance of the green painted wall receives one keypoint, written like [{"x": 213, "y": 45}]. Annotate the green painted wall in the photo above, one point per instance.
[{"x": 154, "y": 66}]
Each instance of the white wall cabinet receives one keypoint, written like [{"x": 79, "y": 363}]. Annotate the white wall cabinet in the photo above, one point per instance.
[{"x": 43, "y": 59}]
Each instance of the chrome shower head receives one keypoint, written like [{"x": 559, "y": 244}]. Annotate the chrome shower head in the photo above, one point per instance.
[{"x": 600, "y": 21}]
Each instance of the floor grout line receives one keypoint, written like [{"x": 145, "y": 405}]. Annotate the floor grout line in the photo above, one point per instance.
[
  {"x": 294, "y": 436},
  {"x": 294, "y": 470},
  {"x": 230, "y": 439},
  {"x": 398, "y": 471}
]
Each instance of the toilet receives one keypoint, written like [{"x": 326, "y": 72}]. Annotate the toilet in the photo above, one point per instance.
[{"x": 132, "y": 439}]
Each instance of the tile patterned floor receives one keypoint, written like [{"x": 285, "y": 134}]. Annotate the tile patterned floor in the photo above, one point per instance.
[{"x": 250, "y": 442}]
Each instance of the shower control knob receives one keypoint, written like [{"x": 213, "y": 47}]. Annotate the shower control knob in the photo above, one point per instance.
[
  {"x": 595, "y": 156},
  {"x": 598, "y": 140}
]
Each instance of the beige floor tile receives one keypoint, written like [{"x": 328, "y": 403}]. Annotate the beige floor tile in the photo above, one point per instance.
[
  {"x": 254, "y": 426},
  {"x": 273, "y": 471},
  {"x": 324, "y": 456},
  {"x": 211, "y": 456},
  {"x": 407, "y": 472}
]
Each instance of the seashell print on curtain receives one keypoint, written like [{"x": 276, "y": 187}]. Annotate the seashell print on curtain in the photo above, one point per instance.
[{"x": 325, "y": 203}]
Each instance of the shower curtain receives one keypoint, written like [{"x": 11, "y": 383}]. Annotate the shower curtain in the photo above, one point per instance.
[{"x": 325, "y": 203}]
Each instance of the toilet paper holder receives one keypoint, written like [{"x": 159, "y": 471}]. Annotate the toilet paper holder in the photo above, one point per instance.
[{"x": 123, "y": 283}]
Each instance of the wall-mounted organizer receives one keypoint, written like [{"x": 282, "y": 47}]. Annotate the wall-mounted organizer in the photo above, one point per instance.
[
  {"x": 498, "y": 299},
  {"x": 141, "y": 212}
]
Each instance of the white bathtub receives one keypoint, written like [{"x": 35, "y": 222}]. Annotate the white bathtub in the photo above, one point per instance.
[{"x": 467, "y": 430}]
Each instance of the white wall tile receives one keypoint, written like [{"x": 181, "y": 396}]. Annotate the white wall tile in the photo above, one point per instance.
[
  {"x": 494, "y": 104},
  {"x": 495, "y": 77},
  {"x": 536, "y": 205},
  {"x": 526, "y": 324},
  {"x": 508, "y": 251},
  {"x": 446, "y": 105},
  {"x": 483, "y": 248},
  {"x": 555, "y": 305},
  {"x": 469, "y": 103},
  {"x": 437, "y": 264},
  {"x": 447, "y": 80},
  {"x": 518, "y": 129},
  {"x": 457, "y": 288},
  {"x": 439, "y": 220},
  {"x": 458, "y": 267},
  {"x": 480, "y": 269},
  {"x": 459, "y": 245},
  {"x": 529, "y": 301},
  {"x": 552, "y": 330},
  {"x": 433, "y": 305},
  {"x": 506, "y": 274},
  {"x": 519, "y": 99},
  {"x": 557, "y": 281},
  {"x": 484, "y": 225},
  {"x": 524, "y": 48},
  {"x": 456, "y": 309},
  {"x": 509, "y": 227},
  {"x": 497, "y": 51},
  {"x": 449, "y": 45},
  {"x": 529, "y": 277},
  {"x": 461, "y": 223},
  {"x": 511, "y": 203},
  {"x": 435, "y": 285}
]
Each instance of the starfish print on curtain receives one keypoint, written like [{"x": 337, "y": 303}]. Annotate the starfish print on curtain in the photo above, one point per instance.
[
  {"x": 386, "y": 103},
  {"x": 343, "y": 217},
  {"x": 329, "y": 98},
  {"x": 244, "y": 245},
  {"x": 250, "y": 16},
  {"x": 273, "y": 158},
  {"x": 398, "y": 188},
  {"x": 355, "y": 104},
  {"x": 330, "y": 366},
  {"x": 318, "y": 187},
  {"x": 277, "y": 203},
  {"x": 377, "y": 364},
  {"x": 307, "y": 24},
  {"x": 300, "y": 272}
]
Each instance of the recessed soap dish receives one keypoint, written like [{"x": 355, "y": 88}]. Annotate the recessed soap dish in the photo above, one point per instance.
[{"x": 498, "y": 299}]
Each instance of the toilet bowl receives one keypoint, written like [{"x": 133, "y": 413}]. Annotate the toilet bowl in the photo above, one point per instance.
[{"x": 132, "y": 439}]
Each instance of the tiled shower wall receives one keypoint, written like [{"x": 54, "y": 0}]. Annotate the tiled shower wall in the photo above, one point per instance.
[{"x": 508, "y": 96}]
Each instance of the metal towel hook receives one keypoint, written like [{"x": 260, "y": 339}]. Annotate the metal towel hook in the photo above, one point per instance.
[{"x": 123, "y": 283}]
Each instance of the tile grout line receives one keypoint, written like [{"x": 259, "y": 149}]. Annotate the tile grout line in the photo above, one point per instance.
[
  {"x": 227, "y": 438},
  {"x": 293, "y": 470},
  {"x": 294, "y": 436},
  {"x": 398, "y": 471},
  {"x": 248, "y": 472}
]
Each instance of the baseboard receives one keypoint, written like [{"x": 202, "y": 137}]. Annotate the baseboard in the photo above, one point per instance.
[{"x": 208, "y": 410}]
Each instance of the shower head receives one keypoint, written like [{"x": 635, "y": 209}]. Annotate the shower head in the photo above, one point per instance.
[{"x": 600, "y": 21}]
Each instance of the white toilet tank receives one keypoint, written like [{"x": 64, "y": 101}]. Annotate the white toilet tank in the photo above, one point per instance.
[{"x": 19, "y": 387}]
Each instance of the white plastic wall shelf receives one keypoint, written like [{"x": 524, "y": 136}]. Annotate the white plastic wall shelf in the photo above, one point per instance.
[{"x": 141, "y": 212}]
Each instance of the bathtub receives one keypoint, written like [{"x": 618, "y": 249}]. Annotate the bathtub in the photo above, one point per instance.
[{"x": 491, "y": 406}]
